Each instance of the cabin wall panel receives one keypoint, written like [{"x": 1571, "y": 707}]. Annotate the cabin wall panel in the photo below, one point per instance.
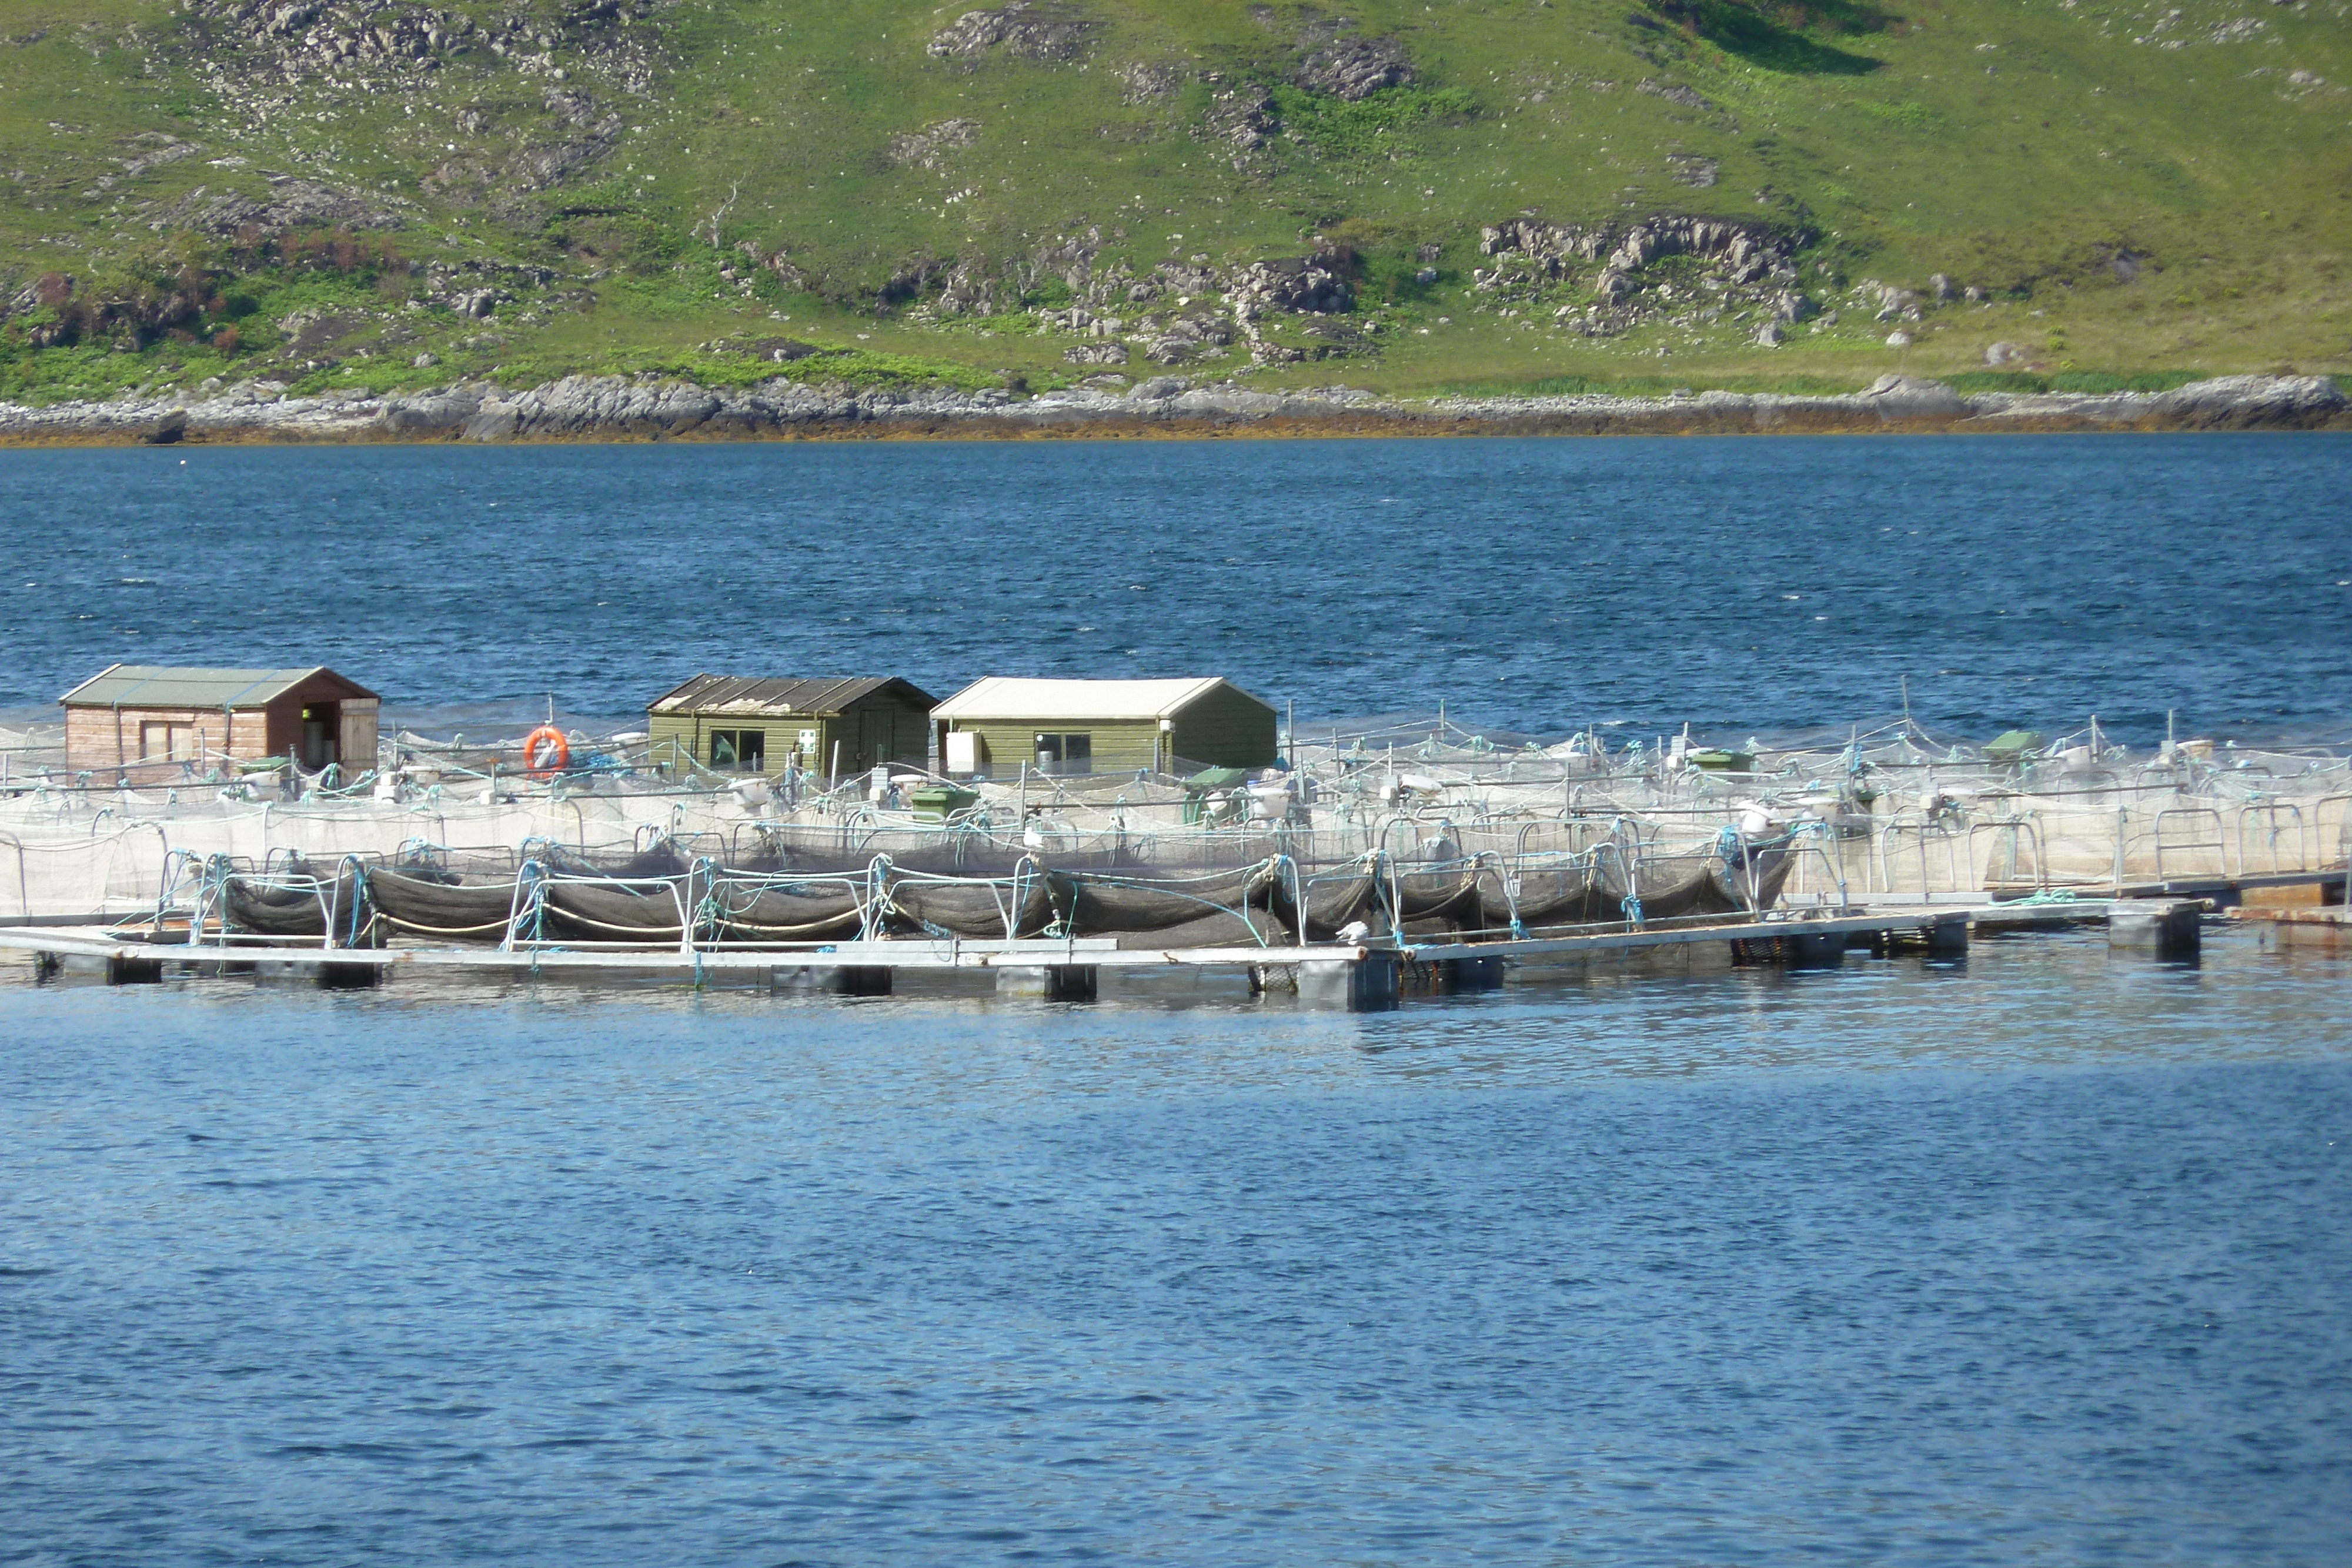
[
  {"x": 102, "y": 739},
  {"x": 1120, "y": 746},
  {"x": 1227, "y": 727},
  {"x": 899, "y": 730}
]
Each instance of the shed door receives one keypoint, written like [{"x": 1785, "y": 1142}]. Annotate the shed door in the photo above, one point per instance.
[
  {"x": 874, "y": 726},
  {"x": 321, "y": 733}
]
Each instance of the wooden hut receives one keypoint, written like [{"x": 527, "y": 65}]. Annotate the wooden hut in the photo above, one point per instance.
[
  {"x": 828, "y": 724},
  {"x": 992, "y": 727},
  {"x": 149, "y": 723}
]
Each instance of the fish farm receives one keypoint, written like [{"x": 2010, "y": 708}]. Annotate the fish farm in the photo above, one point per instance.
[{"x": 1365, "y": 866}]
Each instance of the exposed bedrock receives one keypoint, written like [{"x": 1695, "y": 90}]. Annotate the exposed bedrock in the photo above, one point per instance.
[
  {"x": 1354, "y": 68},
  {"x": 647, "y": 408},
  {"x": 1022, "y": 29}
]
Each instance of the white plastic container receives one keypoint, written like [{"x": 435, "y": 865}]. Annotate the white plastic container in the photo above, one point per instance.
[{"x": 1269, "y": 801}]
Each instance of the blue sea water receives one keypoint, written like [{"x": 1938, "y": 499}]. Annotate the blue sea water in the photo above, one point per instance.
[
  {"x": 1738, "y": 583},
  {"x": 2039, "y": 1260}
]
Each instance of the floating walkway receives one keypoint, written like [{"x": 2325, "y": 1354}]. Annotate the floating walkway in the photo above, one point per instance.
[{"x": 1358, "y": 976}]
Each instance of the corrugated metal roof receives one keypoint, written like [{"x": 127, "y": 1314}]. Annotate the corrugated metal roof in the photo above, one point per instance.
[
  {"x": 1019, "y": 697},
  {"x": 152, "y": 685},
  {"x": 817, "y": 695}
]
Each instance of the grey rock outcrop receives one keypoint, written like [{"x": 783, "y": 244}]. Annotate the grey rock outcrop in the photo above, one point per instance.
[
  {"x": 167, "y": 430},
  {"x": 1671, "y": 93},
  {"x": 2246, "y": 402},
  {"x": 1300, "y": 283},
  {"x": 928, "y": 148},
  {"x": 289, "y": 203},
  {"x": 1693, "y": 170},
  {"x": 431, "y": 414},
  {"x": 172, "y": 151},
  {"x": 1148, "y": 81},
  {"x": 1203, "y": 325},
  {"x": 1748, "y": 251},
  {"x": 1022, "y": 29},
  {"x": 550, "y": 163},
  {"x": 618, "y": 407},
  {"x": 1905, "y": 397},
  {"x": 1597, "y": 279},
  {"x": 400, "y": 47},
  {"x": 1352, "y": 69},
  {"x": 577, "y": 405},
  {"x": 1188, "y": 277},
  {"x": 1242, "y": 118},
  {"x": 2224, "y": 403}
]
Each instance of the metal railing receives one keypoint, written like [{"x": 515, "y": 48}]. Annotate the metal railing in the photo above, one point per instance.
[
  {"x": 2272, "y": 814},
  {"x": 2218, "y": 843}
]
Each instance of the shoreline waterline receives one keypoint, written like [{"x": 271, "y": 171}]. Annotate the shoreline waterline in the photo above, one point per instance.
[{"x": 616, "y": 409}]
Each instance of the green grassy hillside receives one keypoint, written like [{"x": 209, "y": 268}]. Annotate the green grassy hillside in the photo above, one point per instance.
[{"x": 379, "y": 193}]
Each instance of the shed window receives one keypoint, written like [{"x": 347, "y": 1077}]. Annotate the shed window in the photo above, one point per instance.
[
  {"x": 161, "y": 740},
  {"x": 1065, "y": 754},
  {"x": 744, "y": 750}
]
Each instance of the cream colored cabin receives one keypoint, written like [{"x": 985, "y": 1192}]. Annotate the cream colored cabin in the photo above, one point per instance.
[{"x": 995, "y": 726}]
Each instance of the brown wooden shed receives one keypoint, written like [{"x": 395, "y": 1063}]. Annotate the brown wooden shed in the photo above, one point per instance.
[{"x": 148, "y": 722}]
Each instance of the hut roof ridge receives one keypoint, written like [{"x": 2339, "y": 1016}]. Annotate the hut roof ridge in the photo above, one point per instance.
[
  {"x": 814, "y": 695},
  {"x": 1026, "y": 698},
  {"x": 171, "y": 686}
]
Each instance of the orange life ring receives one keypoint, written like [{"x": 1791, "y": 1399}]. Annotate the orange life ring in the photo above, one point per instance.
[{"x": 545, "y": 750}]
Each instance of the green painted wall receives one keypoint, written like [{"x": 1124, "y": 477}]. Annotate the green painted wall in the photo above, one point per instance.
[
  {"x": 878, "y": 730},
  {"x": 1227, "y": 728},
  {"x": 1118, "y": 747}
]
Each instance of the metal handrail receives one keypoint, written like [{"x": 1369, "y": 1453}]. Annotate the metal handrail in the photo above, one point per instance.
[
  {"x": 1921, "y": 830},
  {"x": 2269, "y": 810},
  {"x": 24, "y": 877},
  {"x": 2219, "y": 844}
]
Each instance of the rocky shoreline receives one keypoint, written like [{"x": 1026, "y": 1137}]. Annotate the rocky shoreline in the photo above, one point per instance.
[{"x": 619, "y": 408}]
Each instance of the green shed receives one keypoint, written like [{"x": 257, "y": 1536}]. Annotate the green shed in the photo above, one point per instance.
[
  {"x": 994, "y": 727},
  {"x": 832, "y": 726},
  {"x": 2012, "y": 745}
]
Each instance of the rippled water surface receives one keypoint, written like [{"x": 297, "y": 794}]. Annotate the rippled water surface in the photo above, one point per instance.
[
  {"x": 2041, "y": 1258},
  {"x": 1776, "y": 583}
]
